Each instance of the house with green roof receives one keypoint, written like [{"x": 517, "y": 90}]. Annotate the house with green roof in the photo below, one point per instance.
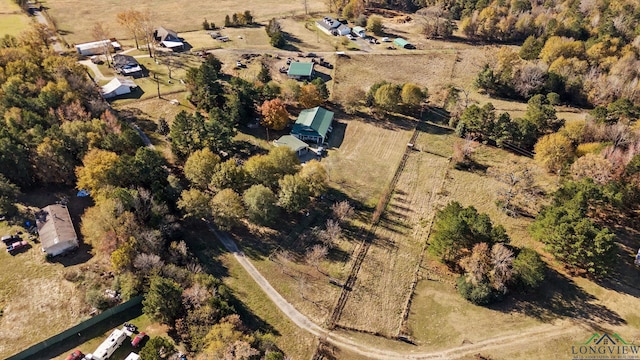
[
  {"x": 313, "y": 125},
  {"x": 300, "y": 70},
  {"x": 298, "y": 146},
  {"x": 359, "y": 31}
]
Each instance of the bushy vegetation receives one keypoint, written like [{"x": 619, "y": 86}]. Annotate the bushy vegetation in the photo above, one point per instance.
[{"x": 470, "y": 244}]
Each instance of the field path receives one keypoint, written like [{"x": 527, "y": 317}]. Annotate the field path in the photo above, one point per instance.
[{"x": 539, "y": 333}]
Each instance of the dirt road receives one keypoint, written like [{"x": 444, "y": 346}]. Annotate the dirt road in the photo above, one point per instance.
[{"x": 545, "y": 331}]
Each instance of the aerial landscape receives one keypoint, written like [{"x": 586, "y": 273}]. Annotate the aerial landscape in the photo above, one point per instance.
[{"x": 320, "y": 179}]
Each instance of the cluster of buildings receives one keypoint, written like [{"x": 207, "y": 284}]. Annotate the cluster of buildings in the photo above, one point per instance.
[{"x": 312, "y": 126}]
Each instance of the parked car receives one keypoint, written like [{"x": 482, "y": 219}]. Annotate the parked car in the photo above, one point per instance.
[
  {"x": 386, "y": 39},
  {"x": 311, "y": 55},
  {"x": 10, "y": 239},
  {"x": 76, "y": 355},
  {"x": 138, "y": 339},
  {"x": 16, "y": 247}
]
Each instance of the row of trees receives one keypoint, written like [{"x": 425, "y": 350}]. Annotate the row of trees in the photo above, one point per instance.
[
  {"x": 396, "y": 97},
  {"x": 276, "y": 35},
  {"x": 471, "y": 245},
  {"x": 267, "y": 184},
  {"x": 239, "y": 19},
  {"x": 483, "y": 124}
]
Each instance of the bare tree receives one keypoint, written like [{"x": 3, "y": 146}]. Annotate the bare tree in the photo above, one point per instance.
[
  {"x": 100, "y": 32},
  {"x": 315, "y": 255},
  {"x": 131, "y": 20},
  {"x": 171, "y": 60},
  {"x": 502, "y": 261},
  {"x": 529, "y": 80},
  {"x": 147, "y": 263},
  {"x": 331, "y": 233},
  {"x": 342, "y": 211},
  {"x": 520, "y": 189},
  {"x": 195, "y": 296},
  {"x": 146, "y": 28},
  {"x": 478, "y": 264}
]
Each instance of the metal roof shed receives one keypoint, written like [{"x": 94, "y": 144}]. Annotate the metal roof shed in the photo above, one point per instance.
[
  {"x": 402, "y": 43},
  {"x": 298, "y": 70}
]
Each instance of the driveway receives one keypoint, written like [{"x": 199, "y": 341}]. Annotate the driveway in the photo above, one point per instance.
[
  {"x": 97, "y": 74},
  {"x": 55, "y": 41}
]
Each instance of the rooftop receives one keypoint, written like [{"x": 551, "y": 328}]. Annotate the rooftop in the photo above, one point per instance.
[
  {"x": 313, "y": 120},
  {"x": 55, "y": 226},
  {"x": 291, "y": 142},
  {"x": 300, "y": 69},
  {"x": 401, "y": 42}
]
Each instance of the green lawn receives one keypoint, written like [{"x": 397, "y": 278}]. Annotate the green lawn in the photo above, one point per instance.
[{"x": 13, "y": 20}]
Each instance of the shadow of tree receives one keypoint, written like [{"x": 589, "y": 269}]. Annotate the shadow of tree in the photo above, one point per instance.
[{"x": 560, "y": 297}]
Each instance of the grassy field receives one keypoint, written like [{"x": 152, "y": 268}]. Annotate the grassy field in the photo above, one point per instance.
[
  {"x": 377, "y": 300},
  {"x": 77, "y": 18},
  {"x": 372, "y": 147},
  {"x": 13, "y": 20}
]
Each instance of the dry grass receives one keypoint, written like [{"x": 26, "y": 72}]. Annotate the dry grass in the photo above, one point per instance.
[
  {"x": 294, "y": 341},
  {"x": 77, "y": 18},
  {"x": 37, "y": 302},
  {"x": 13, "y": 20},
  {"x": 377, "y": 300},
  {"x": 364, "y": 162},
  {"x": 432, "y": 70}
]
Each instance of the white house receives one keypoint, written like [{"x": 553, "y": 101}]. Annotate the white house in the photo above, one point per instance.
[
  {"x": 332, "y": 26},
  {"x": 117, "y": 86},
  {"x": 55, "y": 230},
  {"x": 97, "y": 47},
  {"x": 109, "y": 346}
]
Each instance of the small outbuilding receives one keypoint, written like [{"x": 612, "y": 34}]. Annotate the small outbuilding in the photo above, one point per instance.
[
  {"x": 56, "y": 231},
  {"x": 298, "y": 146},
  {"x": 116, "y": 87},
  {"x": 169, "y": 39},
  {"x": 300, "y": 70},
  {"x": 313, "y": 125},
  {"x": 360, "y": 31},
  {"x": 400, "y": 42}
]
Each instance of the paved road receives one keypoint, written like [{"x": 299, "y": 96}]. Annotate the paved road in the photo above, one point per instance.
[
  {"x": 545, "y": 331},
  {"x": 55, "y": 42}
]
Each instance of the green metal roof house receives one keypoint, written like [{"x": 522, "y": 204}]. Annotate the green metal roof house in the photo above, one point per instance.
[
  {"x": 403, "y": 43},
  {"x": 360, "y": 31},
  {"x": 300, "y": 147},
  {"x": 300, "y": 70},
  {"x": 313, "y": 125}
]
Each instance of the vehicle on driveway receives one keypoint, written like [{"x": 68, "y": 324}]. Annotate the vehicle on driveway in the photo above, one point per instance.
[
  {"x": 138, "y": 339},
  {"x": 76, "y": 355},
  {"x": 16, "y": 247}
]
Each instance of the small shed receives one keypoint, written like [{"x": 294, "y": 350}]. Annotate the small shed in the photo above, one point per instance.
[
  {"x": 55, "y": 229},
  {"x": 298, "y": 146},
  {"x": 300, "y": 70},
  {"x": 132, "y": 356},
  {"x": 116, "y": 87},
  {"x": 400, "y": 42},
  {"x": 360, "y": 31}
]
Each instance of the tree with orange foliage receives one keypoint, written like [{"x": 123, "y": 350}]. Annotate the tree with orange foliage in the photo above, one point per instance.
[{"x": 274, "y": 114}]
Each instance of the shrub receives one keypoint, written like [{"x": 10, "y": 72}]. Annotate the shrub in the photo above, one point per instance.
[{"x": 481, "y": 294}]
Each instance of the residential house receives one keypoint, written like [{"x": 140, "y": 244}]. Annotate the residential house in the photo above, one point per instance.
[
  {"x": 313, "y": 125},
  {"x": 360, "y": 31},
  {"x": 97, "y": 47},
  {"x": 56, "y": 231},
  {"x": 298, "y": 146},
  {"x": 300, "y": 70},
  {"x": 332, "y": 26},
  {"x": 169, "y": 39},
  {"x": 127, "y": 65},
  {"x": 116, "y": 87}
]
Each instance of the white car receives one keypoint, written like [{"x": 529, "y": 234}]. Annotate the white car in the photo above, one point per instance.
[{"x": 386, "y": 39}]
